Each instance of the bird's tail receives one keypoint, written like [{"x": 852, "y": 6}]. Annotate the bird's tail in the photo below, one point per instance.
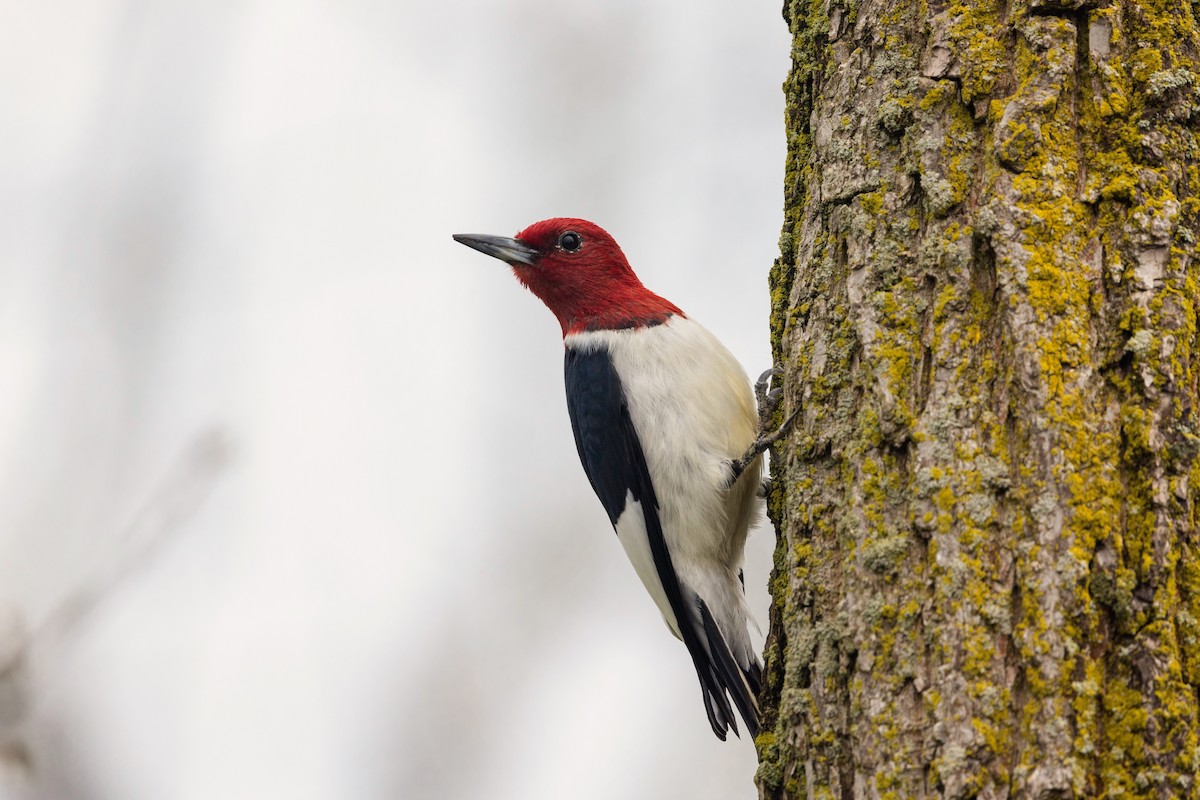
[{"x": 722, "y": 677}]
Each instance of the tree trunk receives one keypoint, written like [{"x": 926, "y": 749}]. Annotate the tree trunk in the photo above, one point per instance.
[{"x": 987, "y": 578}]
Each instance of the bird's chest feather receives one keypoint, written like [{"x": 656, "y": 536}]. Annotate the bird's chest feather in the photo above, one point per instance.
[
  {"x": 690, "y": 405},
  {"x": 687, "y": 395}
]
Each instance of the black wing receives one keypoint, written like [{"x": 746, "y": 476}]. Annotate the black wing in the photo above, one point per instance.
[
  {"x": 612, "y": 457},
  {"x": 607, "y": 443}
]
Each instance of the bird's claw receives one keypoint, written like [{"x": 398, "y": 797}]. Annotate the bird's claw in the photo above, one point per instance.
[
  {"x": 765, "y": 377},
  {"x": 761, "y": 386},
  {"x": 768, "y": 398},
  {"x": 768, "y": 403}
]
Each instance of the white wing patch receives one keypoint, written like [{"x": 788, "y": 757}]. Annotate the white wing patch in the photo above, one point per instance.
[{"x": 631, "y": 533}]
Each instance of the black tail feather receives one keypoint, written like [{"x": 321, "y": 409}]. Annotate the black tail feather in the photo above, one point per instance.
[
  {"x": 720, "y": 716},
  {"x": 754, "y": 678},
  {"x": 712, "y": 685},
  {"x": 742, "y": 685}
]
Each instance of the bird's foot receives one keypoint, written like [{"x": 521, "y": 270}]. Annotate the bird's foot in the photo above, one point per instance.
[
  {"x": 768, "y": 404},
  {"x": 768, "y": 399},
  {"x": 760, "y": 445}
]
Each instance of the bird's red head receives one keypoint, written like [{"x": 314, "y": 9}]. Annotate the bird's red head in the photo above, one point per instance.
[{"x": 579, "y": 272}]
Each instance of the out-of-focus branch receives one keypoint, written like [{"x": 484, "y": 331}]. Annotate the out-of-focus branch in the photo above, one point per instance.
[
  {"x": 181, "y": 492},
  {"x": 183, "y": 489},
  {"x": 15, "y": 761}
]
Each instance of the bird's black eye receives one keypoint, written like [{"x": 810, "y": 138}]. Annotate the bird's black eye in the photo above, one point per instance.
[{"x": 570, "y": 241}]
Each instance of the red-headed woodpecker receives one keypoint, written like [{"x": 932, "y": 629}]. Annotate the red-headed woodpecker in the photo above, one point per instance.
[{"x": 667, "y": 430}]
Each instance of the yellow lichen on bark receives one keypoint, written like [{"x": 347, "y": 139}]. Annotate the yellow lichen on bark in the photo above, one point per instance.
[{"x": 988, "y": 577}]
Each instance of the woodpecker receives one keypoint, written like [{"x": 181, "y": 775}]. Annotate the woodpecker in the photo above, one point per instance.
[{"x": 667, "y": 429}]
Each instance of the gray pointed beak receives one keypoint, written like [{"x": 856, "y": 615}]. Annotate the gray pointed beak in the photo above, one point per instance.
[{"x": 508, "y": 250}]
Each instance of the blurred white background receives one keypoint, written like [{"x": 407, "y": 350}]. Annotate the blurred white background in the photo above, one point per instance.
[{"x": 290, "y": 506}]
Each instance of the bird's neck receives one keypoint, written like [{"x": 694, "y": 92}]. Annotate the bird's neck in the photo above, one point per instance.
[
  {"x": 600, "y": 304},
  {"x": 640, "y": 311}
]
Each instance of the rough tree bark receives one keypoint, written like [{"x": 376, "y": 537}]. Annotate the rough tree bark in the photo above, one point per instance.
[{"x": 987, "y": 579}]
